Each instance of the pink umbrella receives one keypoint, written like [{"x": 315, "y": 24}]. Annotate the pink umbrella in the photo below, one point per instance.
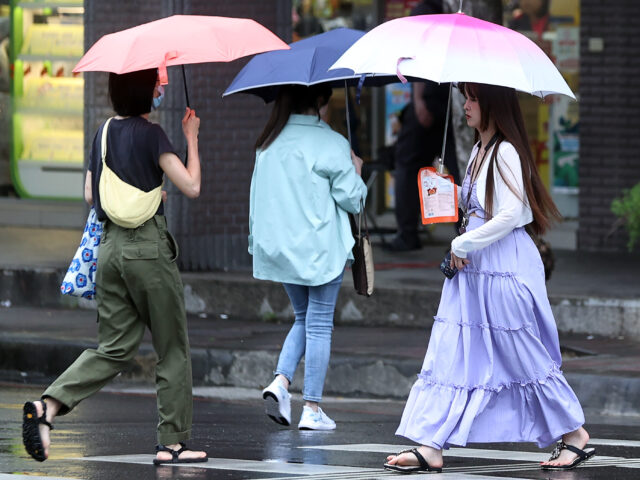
[
  {"x": 178, "y": 40},
  {"x": 455, "y": 48}
]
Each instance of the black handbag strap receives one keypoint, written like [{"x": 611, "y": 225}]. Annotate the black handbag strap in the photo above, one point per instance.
[{"x": 360, "y": 215}]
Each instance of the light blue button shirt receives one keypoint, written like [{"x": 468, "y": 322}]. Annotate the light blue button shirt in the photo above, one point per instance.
[{"x": 302, "y": 187}]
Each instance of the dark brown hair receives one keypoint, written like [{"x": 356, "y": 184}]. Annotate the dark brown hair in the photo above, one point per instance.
[
  {"x": 131, "y": 93},
  {"x": 500, "y": 105},
  {"x": 292, "y": 99}
]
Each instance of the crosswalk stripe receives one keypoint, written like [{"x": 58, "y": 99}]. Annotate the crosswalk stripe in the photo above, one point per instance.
[
  {"x": 310, "y": 471},
  {"x": 533, "y": 457},
  {"x": 302, "y": 471},
  {"x": 7, "y": 476},
  {"x": 520, "y": 456},
  {"x": 386, "y": 474},
  {"x": 244, "y": 465},
  {"x": 615, "y": 442}
]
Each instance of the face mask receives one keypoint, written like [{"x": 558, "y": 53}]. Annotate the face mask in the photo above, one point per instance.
[{"x": 158, "y": 100}]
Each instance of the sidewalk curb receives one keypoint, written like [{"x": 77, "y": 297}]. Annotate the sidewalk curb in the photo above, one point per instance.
[
  {"x": 34, "y": 360},
  {"x": 240, "y": 295}
]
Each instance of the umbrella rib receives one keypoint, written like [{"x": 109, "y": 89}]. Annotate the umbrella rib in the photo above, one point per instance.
[
  {"x": 518, "y": 52},
  {"x": 450, "y": 33}
]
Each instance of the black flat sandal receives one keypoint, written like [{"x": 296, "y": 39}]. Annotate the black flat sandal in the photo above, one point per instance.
[
  {"x": 31, "y": 431},
  {"x": 175, "y": 455},
  {"x": 583, "y": 456},
  {"x": 423, "y": 467}
]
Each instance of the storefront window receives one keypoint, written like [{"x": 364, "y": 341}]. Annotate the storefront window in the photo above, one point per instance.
[
  {"x": 398, "y": 8},
  {"x": 311, "y": 17},
  {"x": 5, "y": 100},
  {"x": 553, "y": 124},
  {"x": 397, "y": 96},
  {"x": 317, "y": 16},
  {"x": 47, "y": 146}
]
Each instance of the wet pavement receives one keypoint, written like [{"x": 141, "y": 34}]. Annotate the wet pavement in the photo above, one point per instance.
[{"x": 111, "y": 436}]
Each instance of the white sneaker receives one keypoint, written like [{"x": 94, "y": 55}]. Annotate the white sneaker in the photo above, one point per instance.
[
  {"x": 277, "y": 403},
  {"x": 310, "y": 420}
]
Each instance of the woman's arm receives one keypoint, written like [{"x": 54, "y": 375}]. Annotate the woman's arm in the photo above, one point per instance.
[
  {"x": 342, "y": 168},
  {"x": 88, "y": 192},
  {"x": 188, "y": 178}
]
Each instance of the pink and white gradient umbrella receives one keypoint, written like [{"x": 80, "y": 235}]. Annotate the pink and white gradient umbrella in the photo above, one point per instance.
[{"x": 455, "y": 48}]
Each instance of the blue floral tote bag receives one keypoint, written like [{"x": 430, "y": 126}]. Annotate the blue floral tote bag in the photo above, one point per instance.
[{"x": 80, "y": 279}]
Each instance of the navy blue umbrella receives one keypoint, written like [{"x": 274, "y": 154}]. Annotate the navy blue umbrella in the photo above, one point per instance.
[{"x": 306, "y": 63}]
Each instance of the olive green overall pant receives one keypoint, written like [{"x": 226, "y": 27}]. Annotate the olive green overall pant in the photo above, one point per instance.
[{"x": 137, "y": 285}]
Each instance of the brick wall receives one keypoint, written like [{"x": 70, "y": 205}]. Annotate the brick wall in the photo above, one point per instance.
[
  {"x": 609, "y": 120},
  {"x": 211, "y": 230}
]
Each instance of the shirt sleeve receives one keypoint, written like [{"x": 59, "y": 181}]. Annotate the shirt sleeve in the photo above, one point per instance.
[
  {"x": 95, "y": 154},
  {"x": 252, "y": 195},
  {"x": 161, "y": 142},
  {"x": 347, "y": 188},
  {"x": 509, "y": 205}
]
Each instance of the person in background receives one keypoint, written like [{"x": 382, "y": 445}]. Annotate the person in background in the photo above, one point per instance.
[
  {"x": 419, "y": 143},
  {"x": 531, "y": 16},
  {"x": 138, "y": 284},
  {"x": 305, "y": 180},
  {"x": 305, "y": 22},
  {"x": 492, "y": 368}
]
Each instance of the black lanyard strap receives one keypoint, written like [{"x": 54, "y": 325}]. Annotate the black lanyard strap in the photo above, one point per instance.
[{"x": 476, "y": 171}]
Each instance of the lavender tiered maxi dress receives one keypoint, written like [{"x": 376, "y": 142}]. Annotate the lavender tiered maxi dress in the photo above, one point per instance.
[{"x": 492, "y": 368}]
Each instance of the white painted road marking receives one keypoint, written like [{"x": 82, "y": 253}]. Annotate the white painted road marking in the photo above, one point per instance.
[
  {"x": 7, "y": 476},
  {"x": 385, "y": 474},
  {"x": 615, "y": 442},
  {"x": 303, "y": 471},
  {"x": 310, "y": 471},
  {"x": 516, "y": 456},
  {"x": 243, "y": 465}
]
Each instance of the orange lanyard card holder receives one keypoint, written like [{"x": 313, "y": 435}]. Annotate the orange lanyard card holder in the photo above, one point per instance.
[{"x": 438, "y": 197}]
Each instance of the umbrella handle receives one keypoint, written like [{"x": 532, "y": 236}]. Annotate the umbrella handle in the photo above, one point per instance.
[
  {"x": 346, "y": 103},
  {"x": 186, "y": 94},
  {"x": 186, "y": 91},
  {"x": 446, "y": 127}
]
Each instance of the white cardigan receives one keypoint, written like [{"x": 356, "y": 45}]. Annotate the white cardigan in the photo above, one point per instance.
[{"x": 510, "y": 211}]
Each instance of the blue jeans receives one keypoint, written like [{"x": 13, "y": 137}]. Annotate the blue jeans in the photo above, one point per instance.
[{"x": 310, "y": 335}]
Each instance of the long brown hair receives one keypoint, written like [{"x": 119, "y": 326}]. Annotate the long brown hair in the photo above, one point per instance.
[
  {"x": 500, "y": 105},
  {"x": 292, "y": 99}
]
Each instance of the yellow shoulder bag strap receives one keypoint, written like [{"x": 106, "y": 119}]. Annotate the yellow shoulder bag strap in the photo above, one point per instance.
[{"x": 124, "y": 204}]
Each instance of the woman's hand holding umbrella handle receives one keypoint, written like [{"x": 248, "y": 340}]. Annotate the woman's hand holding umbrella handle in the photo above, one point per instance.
[
  {"x": 186, "y": 178},
  {"x": 357, "y": 162},
  {"x": 190, "y": 124}
]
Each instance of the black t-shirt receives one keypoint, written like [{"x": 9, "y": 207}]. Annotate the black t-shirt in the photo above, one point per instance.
[{"x": 134, "y": 146}]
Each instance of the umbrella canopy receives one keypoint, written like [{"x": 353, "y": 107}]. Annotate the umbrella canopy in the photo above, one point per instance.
[
  {"x": 306, "y": 63},
  {"x": 455, "y": 48},
  {"x": 178, "y": 40}
]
